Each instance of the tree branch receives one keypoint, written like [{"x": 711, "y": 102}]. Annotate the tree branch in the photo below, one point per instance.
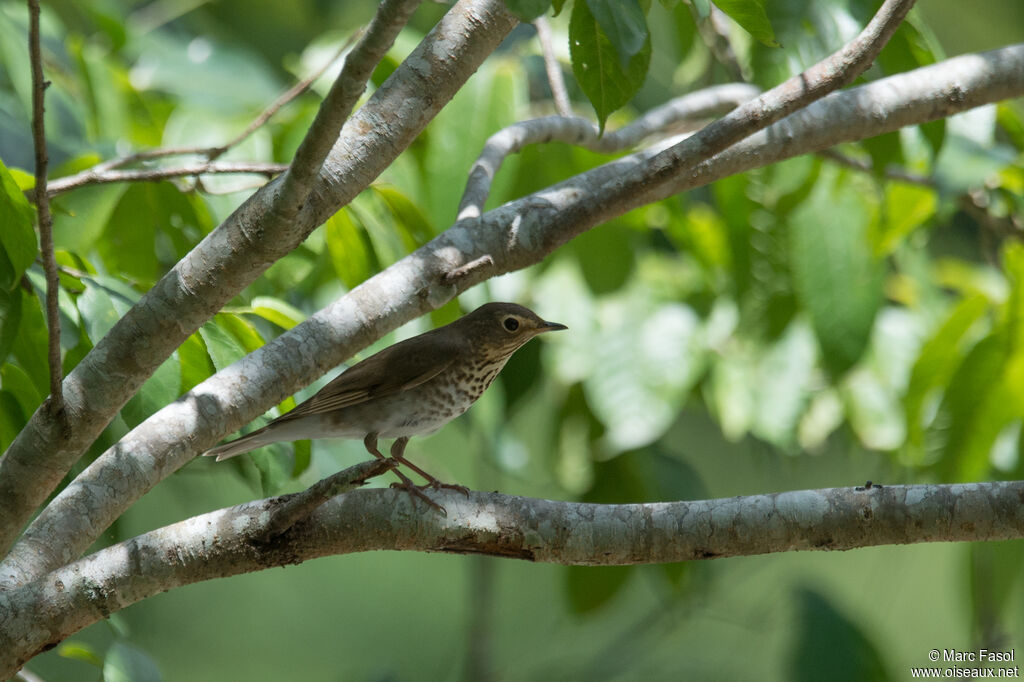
[
  {"x": 513, "y": 236},
  {"x": 662, "y": 120},
  {"x": 300, "y": 178},
  {"x": 106, "y": 171},
  {"x": 94, "y": 176},
  {"x": 236, "y": 253},
  {"x": 551, "y": 66},
  {"x": 232, "y": 541},
  {"x": 39, "y": 85}
]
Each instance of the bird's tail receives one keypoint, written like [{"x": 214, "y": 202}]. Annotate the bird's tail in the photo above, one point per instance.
[{"x": 248, "y": 442}]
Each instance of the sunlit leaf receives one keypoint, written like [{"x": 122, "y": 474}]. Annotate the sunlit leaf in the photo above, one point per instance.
[
  {"x": 348, "y": 249},
  {"x": 196, "y": 365},
  {"x": 223, "y": 348},
  {"x": 937, "y": 361},
  {"x": 79, "y": 651},
  {"x": 277, "y": 311},
  {"x": 906, "y": 207}
]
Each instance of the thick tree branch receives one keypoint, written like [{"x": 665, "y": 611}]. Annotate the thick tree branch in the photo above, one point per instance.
[
  {"x": 236, "y": 253},
  {"x": 232, "y": 541},
  {"x": 39, "y": 85},
  {"x": 508, "y": 238}
]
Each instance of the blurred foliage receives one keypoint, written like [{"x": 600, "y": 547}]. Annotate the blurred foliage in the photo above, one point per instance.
[{"x": 806, "y": 308}]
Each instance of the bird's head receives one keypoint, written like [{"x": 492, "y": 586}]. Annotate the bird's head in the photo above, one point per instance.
[{"x": 504, "y": 327}]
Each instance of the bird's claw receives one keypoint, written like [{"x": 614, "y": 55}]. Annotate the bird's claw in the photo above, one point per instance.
[{"x": 417, "y": 491}]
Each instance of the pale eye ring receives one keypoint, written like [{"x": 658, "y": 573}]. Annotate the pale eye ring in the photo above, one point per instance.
[{"x": 510, "y": 324}]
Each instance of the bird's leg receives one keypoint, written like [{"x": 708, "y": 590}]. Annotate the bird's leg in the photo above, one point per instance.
[
  {"x": 397, "y": 454},
  {"x": 370, "y": 442}
]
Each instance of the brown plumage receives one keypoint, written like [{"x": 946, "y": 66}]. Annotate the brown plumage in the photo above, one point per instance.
[{"x": 409, "y": 389}]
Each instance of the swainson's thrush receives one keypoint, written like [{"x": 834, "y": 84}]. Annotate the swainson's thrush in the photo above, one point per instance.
[{"x": 412, "y": 388}]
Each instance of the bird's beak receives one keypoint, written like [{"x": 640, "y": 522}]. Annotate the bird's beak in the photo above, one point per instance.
[{"x": 550, "y": 327}]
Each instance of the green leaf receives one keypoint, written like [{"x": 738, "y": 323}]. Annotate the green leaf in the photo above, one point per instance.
[
  {"x": 30, "y": 345},
  {"x": 528, "y": 10},
  {"x": 828, "y": 645},
  {"x": 986, "y": 394},
  {"x": 975, "y": 408},
  {"x": 277, "y": 311},
  {"x": 242, "y": 330},
  {"x": 196, "y": 366},
  {"x": 591, "y": 587},
  {"x": 607, "y": 257},
  {"x": 160, "y": 389},
  {"x": 935, "y": 133},
  {"x": 17, "y": 236},
  {"x": 836, "y": 276},
  {"x": 905, "y": 208},
  {"x": 10, "y": 319},
  {"x": 128, "y": 243},
  {"x": 885, "y": 150},
  {"x": 80, "y": 217},
  {"x": 79, "y": 651},
  {"x": 223, "y": 348},
  {"x": 303, "y": 456},
  {"x": 97, "y": 310},
  {"x": 606, "y": 81},
  {"x": 15, "y": 381},
  {"x": 12, "y": 419},
  {"x": 415, "y": 228},
  {"x": 348, "y": 249},
  {"x": 937, "y": 361},
  {"x": 750, "y": 15},
  {"x": 624, "y": 23}
]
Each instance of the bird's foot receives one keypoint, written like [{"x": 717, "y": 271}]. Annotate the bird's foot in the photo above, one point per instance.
[{"x": 417, "y": 491}]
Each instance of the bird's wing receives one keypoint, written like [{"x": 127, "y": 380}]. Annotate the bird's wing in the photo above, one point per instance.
[{"x": 396, "y": 368}]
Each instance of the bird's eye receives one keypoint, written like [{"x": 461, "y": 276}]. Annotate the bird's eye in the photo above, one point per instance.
[{"x": 511, "y": 324}]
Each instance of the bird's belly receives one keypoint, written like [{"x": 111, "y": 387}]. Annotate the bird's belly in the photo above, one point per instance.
[{"x": 411, "y": 414}]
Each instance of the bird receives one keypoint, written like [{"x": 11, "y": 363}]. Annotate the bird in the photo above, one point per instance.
[{"x": 411, "y": 388}]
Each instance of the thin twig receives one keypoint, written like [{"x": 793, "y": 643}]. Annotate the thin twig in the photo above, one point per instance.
[
  {"x": 39, "y": 86},
  {"x": 553, "y": 68},
  {"x": 101, "y": 172},
  {"x": 91, "y": 177}
]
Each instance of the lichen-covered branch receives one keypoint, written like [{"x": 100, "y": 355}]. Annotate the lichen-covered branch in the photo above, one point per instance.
[{"x": 233, "y": 541}]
